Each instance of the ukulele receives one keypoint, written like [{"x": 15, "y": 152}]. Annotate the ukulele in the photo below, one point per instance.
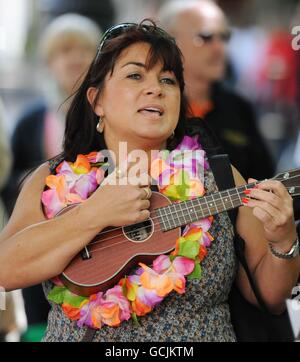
[{"x": 114, "y": 252}]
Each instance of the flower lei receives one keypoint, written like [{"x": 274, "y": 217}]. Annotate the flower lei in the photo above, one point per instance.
[{"x": 137, "y": 294}]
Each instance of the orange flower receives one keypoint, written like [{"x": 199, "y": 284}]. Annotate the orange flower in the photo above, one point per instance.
[
  {"x": 59, "y": 184},
  {"x": 162, "y": 284},
  {"x": 202, "y": 252},
  {"x": 93, "y": 157},
  {"x": 139, "y": 308},
  {"x": 81, "y": 165},
  {"x": 71, "y": 312},
  {"x": 110, "y": 314},
  {"x": 96, "y": 317},
  {"x": 179, "y": 285}
]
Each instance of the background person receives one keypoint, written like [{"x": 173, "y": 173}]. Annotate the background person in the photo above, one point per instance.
[
  {"x": 12, "y": 319},
  {"x": 67, "y": 47},
  {"x": 201, "y": 31}
]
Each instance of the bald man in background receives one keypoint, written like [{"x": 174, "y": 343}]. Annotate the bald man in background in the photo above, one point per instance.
[{"x": 202, "y": 32}]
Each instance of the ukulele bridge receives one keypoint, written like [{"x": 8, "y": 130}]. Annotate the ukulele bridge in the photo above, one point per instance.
[{"x": 85, "y": 254}]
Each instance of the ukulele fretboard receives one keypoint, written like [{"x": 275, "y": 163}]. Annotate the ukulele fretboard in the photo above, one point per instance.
[{"x": 182, "y": 213}]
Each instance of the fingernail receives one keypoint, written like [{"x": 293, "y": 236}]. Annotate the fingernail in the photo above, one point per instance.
[
  {"x": 247, "y": 192},
  {"x": 245, "y": 200}
]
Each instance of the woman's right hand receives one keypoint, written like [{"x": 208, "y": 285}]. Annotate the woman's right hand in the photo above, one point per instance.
[{"x": 118, "y": 203}]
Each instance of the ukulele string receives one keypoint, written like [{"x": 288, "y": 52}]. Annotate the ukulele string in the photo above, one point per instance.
[
  {"x": 117, "y": 243},
  {"x": 219, "y": 199},
  {"x": 159, "y": 217},
  {"x": 205, "y": 209},
  {"x": 175, "y": 212},
  {"x": 152, "y": 224}
]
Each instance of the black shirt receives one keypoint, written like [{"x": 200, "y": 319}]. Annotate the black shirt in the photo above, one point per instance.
[{"x": 233, "y": 120}]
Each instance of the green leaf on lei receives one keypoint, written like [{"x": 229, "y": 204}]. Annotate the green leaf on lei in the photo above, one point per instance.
[
  {"x": 135, "y": 319},
  {"x": 124, "y": 288},
  {"x": 171, "y": 192},
  {"x": 196, "y": 273},
  {"x": 172, "y": 257},
  {"x": 182, "y": 184},
  {"x": 194, "y": 236},
  {"x": 57, "y": 295},
  {"x": 60, "y": 295},
  {"x": 73, "y": 299},
  {"x": 188, "y": 248}
]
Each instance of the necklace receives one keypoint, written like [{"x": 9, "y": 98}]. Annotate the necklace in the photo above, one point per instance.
[{"x": 180, "y": 176}]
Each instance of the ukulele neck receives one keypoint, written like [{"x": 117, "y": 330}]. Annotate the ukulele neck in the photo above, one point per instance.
[{"x": 186, "y": 212}]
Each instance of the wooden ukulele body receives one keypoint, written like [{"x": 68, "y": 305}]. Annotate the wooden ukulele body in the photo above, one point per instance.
[{"x": 114, "y": 253}]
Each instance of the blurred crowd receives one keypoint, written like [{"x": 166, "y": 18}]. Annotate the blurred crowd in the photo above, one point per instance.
[{"x": 241, "y": 72}]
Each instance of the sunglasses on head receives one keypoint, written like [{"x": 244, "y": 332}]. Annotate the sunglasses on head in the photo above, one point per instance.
[
  {"x": 208, "y": 37},
  {"x": 118, "y": 29}
]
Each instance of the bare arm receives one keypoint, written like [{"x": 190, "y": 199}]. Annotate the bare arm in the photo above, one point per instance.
[
  {"x": 275, "y": 277},
  {"x": 34, "y": 249}
]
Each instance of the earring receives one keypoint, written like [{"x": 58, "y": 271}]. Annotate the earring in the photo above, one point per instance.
[
  {"x": 172, "y": 135},
  {"x": 100, "y": 125}
]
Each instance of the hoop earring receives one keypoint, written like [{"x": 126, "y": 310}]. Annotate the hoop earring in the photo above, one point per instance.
[{"x": 100, "y": 125}]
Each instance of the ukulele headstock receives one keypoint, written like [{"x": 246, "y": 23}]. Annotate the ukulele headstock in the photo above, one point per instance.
[{"x": 291, "y": 180}]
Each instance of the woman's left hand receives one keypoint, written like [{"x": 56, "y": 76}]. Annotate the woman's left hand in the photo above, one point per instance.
[{"x": 273, "y": 206}]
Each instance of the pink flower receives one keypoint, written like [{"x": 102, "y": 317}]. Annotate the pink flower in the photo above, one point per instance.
[
  {"x": 189, "y": 143},
  {"x": 72, "y": 184},
  {"x": 143, "y": 295},
  {"x": 183, "y": 265},
  {"x": 89, "y": 313},
  {"x": 161, "y": 264},
  {"x": 85, "y": 185},
  {"x": 148, "y": 297},
  {"x": 110, "y": 309},
  {"x": 115, "y": 295}
]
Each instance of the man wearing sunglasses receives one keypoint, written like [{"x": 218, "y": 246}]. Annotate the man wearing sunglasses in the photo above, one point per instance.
[{"x": 202, "y": 33}]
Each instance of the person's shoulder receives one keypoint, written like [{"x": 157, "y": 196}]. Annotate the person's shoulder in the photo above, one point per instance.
[{"x": 37, "y": 177}]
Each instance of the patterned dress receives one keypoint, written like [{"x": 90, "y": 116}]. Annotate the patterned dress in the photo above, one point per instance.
[{"x": 201, "y": 314}]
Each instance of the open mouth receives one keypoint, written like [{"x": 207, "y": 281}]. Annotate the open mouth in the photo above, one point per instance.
[{"x": 155, "y": 110}]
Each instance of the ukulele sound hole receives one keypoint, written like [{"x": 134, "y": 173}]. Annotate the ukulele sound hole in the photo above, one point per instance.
[{"x": 139, "y": 232}]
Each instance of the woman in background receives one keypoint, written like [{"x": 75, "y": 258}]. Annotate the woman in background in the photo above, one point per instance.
[{"x": 67, "y": 47}]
